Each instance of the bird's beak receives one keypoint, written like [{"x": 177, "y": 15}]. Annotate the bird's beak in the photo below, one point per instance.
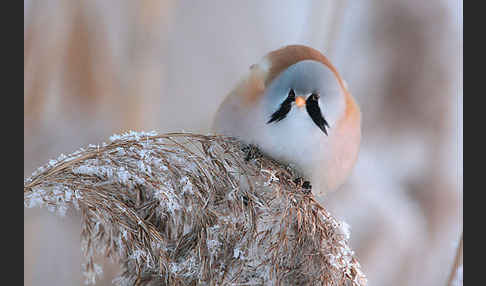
[{"x": 300, "y": 101}]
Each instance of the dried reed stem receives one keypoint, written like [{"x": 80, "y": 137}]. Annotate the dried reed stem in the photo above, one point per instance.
[
  {"x": 455, "y": 277},
  {"x": 187, "y": 209}
]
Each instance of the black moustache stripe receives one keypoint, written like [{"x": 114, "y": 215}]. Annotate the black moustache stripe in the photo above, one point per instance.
[
  {"x": 314, "y": 111},
  {"x": 283, "y": 110}
]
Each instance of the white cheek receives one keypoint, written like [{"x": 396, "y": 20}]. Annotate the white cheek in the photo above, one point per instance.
[
  {"x": 332, "y": 108},
  {"x": 295, "y": 139}
]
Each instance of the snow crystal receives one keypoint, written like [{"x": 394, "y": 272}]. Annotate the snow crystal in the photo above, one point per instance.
[
  {"x": 143, "y": 168},
  {"x": 168, "y": 199},
  {"x": 138, "y": 255},
  {"x": 115, "y": 137},
  {"x": 77, "y": 194},
  {"x": 186, "y": 185},
  {"x": 68, "y": 194},
  {"x": 173, "y": 205},
  {"x": 132, "y": 135},
  {"x": 38, "y": 171},
  {"x": 56, "y": 191},
  {"x": 87, "y": 170},
  {"x": 345, "y": 229},
  {"x": 35, "y": 199},
  {"x": 123, "y": 175},
  {"x": 189, "y": 265},
  {"x": 142, "y": 153},
  {"x": 61, "y": 209},
  {"x": 213, "y": 246},
  {"x": 272, "y": 178},
  {"x": 237, "y": 253},
  {"x": 61, "y": 157},
  {"x": 343, "y": 257},
  {"x": 139, "y": 181},
  {"x": 213, "y": 229},
  {"x": 120, "y": 151}
]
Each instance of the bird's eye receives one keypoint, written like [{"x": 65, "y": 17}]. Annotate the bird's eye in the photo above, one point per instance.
[
  {"x": 314, "y": 96},
  {"x": 292, "y": 94}
]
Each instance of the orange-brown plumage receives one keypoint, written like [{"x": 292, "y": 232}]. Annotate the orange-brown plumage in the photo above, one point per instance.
[
  {"x": 278, "y": 61},
  {"x": 284, "y": 57}
]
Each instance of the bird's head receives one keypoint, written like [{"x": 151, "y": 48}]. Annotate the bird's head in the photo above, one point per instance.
[{"x": 295, "y": 106}]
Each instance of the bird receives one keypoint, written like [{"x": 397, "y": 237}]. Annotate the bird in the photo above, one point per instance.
[{"x": 294, "y": 107}]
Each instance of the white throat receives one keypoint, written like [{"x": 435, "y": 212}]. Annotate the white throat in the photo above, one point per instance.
[{"x": 295, "y": 140}]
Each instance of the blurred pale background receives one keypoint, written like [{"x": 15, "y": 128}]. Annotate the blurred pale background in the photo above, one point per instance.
[{"x": 94, "y": 68}]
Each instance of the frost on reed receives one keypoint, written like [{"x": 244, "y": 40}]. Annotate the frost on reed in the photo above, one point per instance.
[{"x": 186, "y": 209}]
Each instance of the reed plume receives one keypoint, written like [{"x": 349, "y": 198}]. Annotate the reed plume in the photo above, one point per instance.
[{"x": 188, "y": 209}]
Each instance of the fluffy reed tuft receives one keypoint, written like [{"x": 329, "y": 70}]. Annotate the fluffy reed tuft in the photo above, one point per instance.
[{"x": 187, "y": 209}]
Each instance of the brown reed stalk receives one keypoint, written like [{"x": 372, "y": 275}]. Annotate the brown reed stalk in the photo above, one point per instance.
[
  {"x": 188, "y": 209},
  {"x": 456, "y": 275}
]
